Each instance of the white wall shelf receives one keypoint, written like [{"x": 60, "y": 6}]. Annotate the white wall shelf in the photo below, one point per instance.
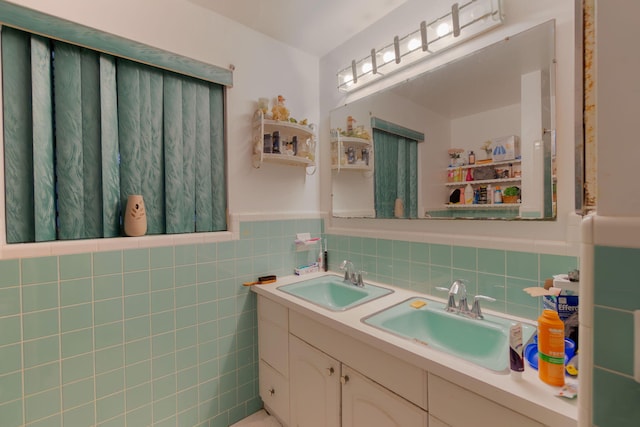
[{"x": 305, "y": 134}]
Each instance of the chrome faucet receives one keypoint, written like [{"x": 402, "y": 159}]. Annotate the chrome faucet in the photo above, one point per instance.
[
  {"x": 350, "y": 273},
  {"x": 459, "y": 289}
]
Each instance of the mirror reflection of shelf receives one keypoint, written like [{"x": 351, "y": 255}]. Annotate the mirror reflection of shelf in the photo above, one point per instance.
[
  {"x": 481, "y": 182},
  {"x": 484, "y": 165},
  {"x": 486, "y": 206},
  {"x": 339, "y": 161}
]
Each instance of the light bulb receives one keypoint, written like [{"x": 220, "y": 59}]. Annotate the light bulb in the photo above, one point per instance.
[
  {"x": 347, "y": 79},
  {"x": 443, "y": 29},
  {"x": 388, "y": 56},
  {"x": 413, "y": 44},
  {"x": 366, "y": 67}
]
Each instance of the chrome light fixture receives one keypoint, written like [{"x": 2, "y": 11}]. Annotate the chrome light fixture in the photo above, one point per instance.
[{"x": 461, "y": 23}]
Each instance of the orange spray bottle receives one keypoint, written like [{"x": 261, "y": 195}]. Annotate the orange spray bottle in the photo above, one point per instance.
[{"x": 551, "y": 348}]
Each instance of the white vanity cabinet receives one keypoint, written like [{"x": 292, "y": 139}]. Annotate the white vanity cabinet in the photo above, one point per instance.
[
  {"x": 314, "y": 386},
  {"x": 459, "y": 407},
  {"x": 320, "y": 385}
]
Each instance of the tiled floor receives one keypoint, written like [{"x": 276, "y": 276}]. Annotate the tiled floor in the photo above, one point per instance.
[{"x": 259, "y": 419}]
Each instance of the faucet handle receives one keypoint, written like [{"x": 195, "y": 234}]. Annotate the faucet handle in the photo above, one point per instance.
[
  {"x": 475, "y": 310},
  {"x": 359, "y": 280},
  {"x": 451, "y": 303}
]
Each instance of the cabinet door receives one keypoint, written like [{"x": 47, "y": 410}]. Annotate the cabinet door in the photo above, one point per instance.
[
  {"x": 273, "y": 334},
  {"x": 365, "y": 403},
  {"x": 314, "y": 386}
]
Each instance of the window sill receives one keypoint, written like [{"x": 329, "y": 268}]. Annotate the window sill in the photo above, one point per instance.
[{"x": 30, "y": 250}]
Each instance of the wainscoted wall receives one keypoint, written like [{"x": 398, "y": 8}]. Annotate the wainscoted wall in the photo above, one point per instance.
[
  {"x": 500, "y": 274},
  {"x": 616, "y": 295},
  {"x": 168, "y": 334},
  {"x": 138, "y": 337}
]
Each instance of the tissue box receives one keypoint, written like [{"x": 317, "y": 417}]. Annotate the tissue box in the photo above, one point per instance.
[{"x": 510, "y": 145}]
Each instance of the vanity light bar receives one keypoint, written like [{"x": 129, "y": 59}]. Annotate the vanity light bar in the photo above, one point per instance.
[{"x": 461, "y": 23}]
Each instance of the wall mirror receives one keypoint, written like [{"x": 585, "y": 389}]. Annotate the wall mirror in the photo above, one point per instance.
[{"x": 455, "y": 142}]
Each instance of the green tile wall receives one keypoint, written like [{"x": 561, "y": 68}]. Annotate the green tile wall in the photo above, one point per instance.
[
  {"x": 163, "y": 336},
  {"x": 500, "y": 274},
  {"x": 616, "y": 296},
  {"x": 167, "y": 336}
]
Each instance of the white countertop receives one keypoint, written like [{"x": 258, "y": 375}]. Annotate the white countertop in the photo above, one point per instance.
[{"x": 527, "y": 395}]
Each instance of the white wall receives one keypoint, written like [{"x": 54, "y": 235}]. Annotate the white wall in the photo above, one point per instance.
[
  {"x": 469, "y": 132},
  {"x": 263, "y": 68},
  {"x": 560, "y": 236}
]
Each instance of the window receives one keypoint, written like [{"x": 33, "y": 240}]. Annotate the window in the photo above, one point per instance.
[{"x": 84, "y": 129}]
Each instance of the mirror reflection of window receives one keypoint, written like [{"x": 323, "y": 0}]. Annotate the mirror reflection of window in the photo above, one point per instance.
[{"x": 396, "y": 170}]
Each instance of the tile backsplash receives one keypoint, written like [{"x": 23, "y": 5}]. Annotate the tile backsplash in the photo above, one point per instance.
[
  {"x": 500, "y": 274},
  {"x": 168, "y": 335}
]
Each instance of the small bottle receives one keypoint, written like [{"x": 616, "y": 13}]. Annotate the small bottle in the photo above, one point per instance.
[
  {"x": 551, "y": 348},
  {"x": 489, "y": 194},
  {"x": 462, "y": 197},
  {"x": 268, "y": 144},
  {"x": 294, "y": 145},
  {"x": 472, "y": 158},
  {"x": 276, "y": 142},
  {"x": 497, "y": 197},
  {"x": 469, "y": 175},
  {"x": 468, "y": 195}
]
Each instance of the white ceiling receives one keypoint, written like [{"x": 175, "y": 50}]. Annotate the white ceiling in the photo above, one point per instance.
[{"x": 313, "y": 26}]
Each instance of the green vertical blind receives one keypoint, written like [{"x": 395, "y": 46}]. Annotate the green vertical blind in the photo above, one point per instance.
[{"x": 83, "y": 130}]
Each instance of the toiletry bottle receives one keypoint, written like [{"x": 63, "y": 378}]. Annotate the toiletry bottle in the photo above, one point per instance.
[
  {"x": 276, "y": 142},
  {"x": 516, "y": 361},
  {"x": 489, "y": 194},
  {"x": 469, "y": 175},
  {"x": 497, "y": 198},
  {"x": 325, "y": 257},
  {"x": 462, "y": 197},
  {"x": 320, "y": 259},
  {"x": 468, "y": 195},
  {"x": 551, "y": 348},
  {"x": 472, "y": 158}
]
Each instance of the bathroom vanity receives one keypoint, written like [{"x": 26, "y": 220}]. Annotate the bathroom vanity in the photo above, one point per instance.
[{"x": 329, "y": 368}]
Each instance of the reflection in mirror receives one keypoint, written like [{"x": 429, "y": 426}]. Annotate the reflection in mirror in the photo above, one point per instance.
[{"x": 487, "y": 121}]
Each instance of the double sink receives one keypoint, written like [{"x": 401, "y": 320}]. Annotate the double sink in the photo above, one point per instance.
[{"x": 484, "y": 342}]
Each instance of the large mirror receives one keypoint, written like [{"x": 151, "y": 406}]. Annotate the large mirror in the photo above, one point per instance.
[{"x": 474, "y": 138}]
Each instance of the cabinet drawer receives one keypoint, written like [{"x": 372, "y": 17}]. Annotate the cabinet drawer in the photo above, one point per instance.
[
  {"x": 402, "y": 378},
  {"x": 273, "y": 335},
  {"x": 459, "y": 407},
  {"x": 274, "y": 391}
]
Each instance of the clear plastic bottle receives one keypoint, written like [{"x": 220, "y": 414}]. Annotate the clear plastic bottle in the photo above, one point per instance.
[
  {"x": 497, "y": 195},
  {"x": 551, "y": 348}
]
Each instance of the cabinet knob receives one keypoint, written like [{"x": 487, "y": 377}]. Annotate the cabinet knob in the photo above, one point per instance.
[
  {"x": 271, "y": 391},
  {"x": 330, "y": 371},
  {"x": 344, "y": 379}
]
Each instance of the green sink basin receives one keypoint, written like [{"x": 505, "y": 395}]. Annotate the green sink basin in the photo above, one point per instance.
[
  {"x": 484, "y": 342},
  {"x": 333, "y": 293}
]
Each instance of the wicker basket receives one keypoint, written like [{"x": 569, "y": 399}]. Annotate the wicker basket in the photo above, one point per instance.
[{"x": 510, "y": 199}]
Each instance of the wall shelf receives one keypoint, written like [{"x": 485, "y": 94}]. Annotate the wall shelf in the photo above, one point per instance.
[{"x": 305, "y": 134}]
